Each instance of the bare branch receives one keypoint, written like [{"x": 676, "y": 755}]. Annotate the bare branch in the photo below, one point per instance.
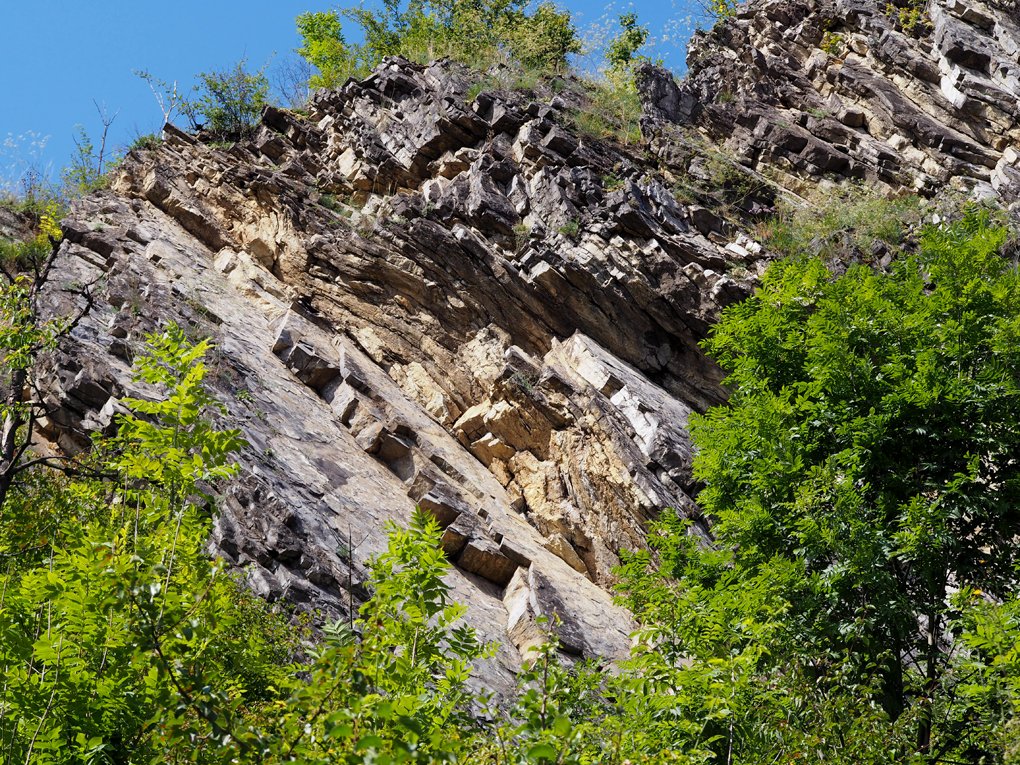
[{"x": 107, "y": 121}]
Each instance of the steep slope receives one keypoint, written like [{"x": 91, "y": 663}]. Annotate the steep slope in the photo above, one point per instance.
[
  {"x": 415, "y": 345},
  {"x": 910, "y": 95},
  {"x": 420, "y": 298}
]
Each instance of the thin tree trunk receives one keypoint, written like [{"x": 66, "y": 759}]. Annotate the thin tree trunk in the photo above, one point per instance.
[{"x": 9, "y": 446}]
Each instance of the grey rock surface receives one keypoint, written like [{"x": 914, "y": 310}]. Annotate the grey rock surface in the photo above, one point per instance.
[
  {"x": 856, "y": 89},
  {"x": 467, "y": 305}
]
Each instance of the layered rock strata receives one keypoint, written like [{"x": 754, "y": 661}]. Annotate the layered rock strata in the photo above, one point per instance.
[
  {"x": 912, "y": 95},
  {"x": 416, "y": 299},
  {"x": 465, "y": 304}
]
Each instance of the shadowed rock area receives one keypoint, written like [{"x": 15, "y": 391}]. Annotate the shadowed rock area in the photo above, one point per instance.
[{"x": 467, "y": 305}]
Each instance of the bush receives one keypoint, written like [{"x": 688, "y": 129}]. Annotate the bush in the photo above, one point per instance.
[
  {"x": 230, "y": 102},
  {"x": 90, "y": 165},
  {"x": 146, "y": 142},
  {"x": 476, "y": 33},
  {"x": 613, "y": 111},
  {"x": 719, "y": 9},
  {"x": 864, "y": 482},
  {"x": 851, "y": 223}
]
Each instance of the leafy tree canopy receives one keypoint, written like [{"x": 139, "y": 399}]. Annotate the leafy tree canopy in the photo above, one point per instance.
[
  {"x": 863, "y": 483},
  {"x": 424, "y": 30}
]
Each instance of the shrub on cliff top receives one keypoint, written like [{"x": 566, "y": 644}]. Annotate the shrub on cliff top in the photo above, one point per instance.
[
  {"x": 476, "y": 33},
  {"x": 230, "y": 101}
]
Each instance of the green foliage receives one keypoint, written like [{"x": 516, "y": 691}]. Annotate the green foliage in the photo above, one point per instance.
[
  {"x": 716, "y": 178},
  {"x": 846, "y": 225},
  {"x": 21, "y": 337},
  {"x": 613, "y": 111},
  {"x": 84, "y": 173},
  {"x": 393, "y": 689},
  {"x": 21, "y": 257},
  {"x": 146, "y": 142},
  {"x": 622, "y": 52},
  {"x": 542, "y": 40},
  {"x": 90, "y": 164},
  {"x": 120, "y": 639},
  {"x": 478, "y": 34},
  {"x": 720, "y": 9},
  {"x": 910, "y": 15},
  {"x": 570, "y": 229},
  {"x": 560, "y": 715},
  {"x": 230, "y": 102},
  {"x": 865, "y": 469},
  {"x": 325, "y": 47},
  {"x": 858, "y": 605},
  {"x": 832, "y": 43}
]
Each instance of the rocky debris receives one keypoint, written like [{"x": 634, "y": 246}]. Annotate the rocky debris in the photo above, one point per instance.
[{"x": 856, "y": 89}]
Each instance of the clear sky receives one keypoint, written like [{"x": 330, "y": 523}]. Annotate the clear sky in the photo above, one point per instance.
[{"x": 60, "y": 56}]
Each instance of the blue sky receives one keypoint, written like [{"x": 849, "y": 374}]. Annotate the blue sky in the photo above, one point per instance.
[{"x": 60, "y": 56}]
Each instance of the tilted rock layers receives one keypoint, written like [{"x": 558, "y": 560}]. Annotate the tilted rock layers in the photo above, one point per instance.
[
  {"x": 423, "y": 299},
  {"x": 909, "y": 95}
]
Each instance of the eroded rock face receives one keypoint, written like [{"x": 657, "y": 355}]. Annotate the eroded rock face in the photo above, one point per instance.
[
  {"x": 417, "y": 299},
  {"x": 837, "y": 89},
  {"x": 421, "y": 299}
]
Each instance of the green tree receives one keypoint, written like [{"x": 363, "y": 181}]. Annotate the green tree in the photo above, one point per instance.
[
  {"x": 542, "y": 40},
  {"x": 865, "y": 469},
  {"x": 622, "y": 52},
  {"x": 25, "y": 268},
  {"x": 230, "y": 102},
  {"x": 393, "y": 689},
  {"x": 120, "y": 639},
  {"x": 476, "y": 33},
  {"x": 324, "y": 46}
]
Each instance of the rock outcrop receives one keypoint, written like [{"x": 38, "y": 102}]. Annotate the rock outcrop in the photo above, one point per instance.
[
  {"x": 419, "y": 298},
  {"x": 915, "y": 95}
]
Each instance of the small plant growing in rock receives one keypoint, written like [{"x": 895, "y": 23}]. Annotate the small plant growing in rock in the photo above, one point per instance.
[
  {"x": 522, "y": 232},
  {"x": 330, "y": 202},
  {"x": 852, "y": 223},
  {"x": 146, "y": 142},
  {"x": 612, "y": 182},
  {"x": 570, "y": 229},
  {"x": 478, "y": 87},
  {"x": 832, "y": 43},
  {"x": 909, "y": 15},
  {"x": 613, "y": 111}
]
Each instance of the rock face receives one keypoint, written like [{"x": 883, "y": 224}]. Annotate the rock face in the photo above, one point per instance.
[
  {"x": 417, "y": 299},
  {"x": 463, "y": 304},
  {"x": 909, "y": 95}
]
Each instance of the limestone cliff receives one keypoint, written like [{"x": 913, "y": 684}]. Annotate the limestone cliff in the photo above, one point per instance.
[
  {"x": 907, "y": 95},
  {"x": 463, "y": 303}
]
